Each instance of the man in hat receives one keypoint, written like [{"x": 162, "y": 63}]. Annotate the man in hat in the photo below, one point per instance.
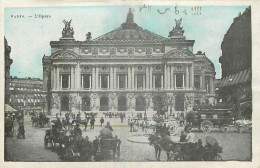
[
  {"x": 21, "y": 131},
  {"x": 190, "y": 137},
  {"x": 77, "y": 130},
  {"x": 109, "y": 126}
]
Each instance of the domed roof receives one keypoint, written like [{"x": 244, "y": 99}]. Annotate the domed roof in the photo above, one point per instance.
[{"x": 129, "y": 32}]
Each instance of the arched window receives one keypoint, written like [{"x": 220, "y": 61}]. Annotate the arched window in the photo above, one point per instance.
[
  {"x": 104, "y": 104},
  {"x": 85, "y": 104},
  {"x": 65, "y": 103},
  {"x": 179, "y": 102},
  {"x": 140, "y": 104},
  {"x": 122, "y": 103}
]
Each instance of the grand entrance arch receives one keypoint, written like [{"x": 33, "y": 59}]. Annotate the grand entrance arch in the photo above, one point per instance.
[
  {"x": 140, "y": 104},
  {"x": 65, "y": 103},
  {"x": 104, "y": 104},
  {"x": 86, "y": 104},
  {"x": 122, "y": 103}
]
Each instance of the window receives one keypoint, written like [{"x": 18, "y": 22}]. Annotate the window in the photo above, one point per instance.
[
  {"x": 86, "y": 81},
  {"x": 157, "y": 82},
  {"x": 140, "y": 78},
  {"x": 122, "y": 78},
  {"x": 104, "y": 81},
  {"x": 207, "y": 84},
  {"x": 179, "y": 80},
  {"x": 197, "y": 82},
  {"x": 65, "y": 81}
]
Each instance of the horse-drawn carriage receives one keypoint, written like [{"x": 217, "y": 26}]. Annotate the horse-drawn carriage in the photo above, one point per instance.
[
  {"x": 208, "y": 118},
  {"x": 38, "y": 120},
  {"x": 107, "y": 148},
  {"x": 181, "y": 151},
  {"x": 9, "y": 127}
]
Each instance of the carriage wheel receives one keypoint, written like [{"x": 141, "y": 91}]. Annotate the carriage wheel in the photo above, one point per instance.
[
  {"x": 225, "y": 128},
  {"x": 218, "y": 158},
  {"x": 206, "y": 126}
]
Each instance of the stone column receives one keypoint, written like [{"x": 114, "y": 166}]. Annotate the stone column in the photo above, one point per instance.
[
  {"x": 97, "y": 78},
  {"x": 200, "y": 82},
  {"x": 129, "y": 78},
  {"x": 144, "y": 81},
  {"x": 58, "y": 79},
  {"x": 169, "y": 77},
  {"x": 115, "y": 79},
  {"x": 53, "y": 77},
  {"x": 187, "y": 77},
  {"x": 147, "y": 75},
  {"x": 78, "y": 78},
  {"x": 72, "y": 77},
  {"x": 93, "y": 78},
  {"x": 203, "y": 79},
  {"x": 111, "y": 78},
  {"x": 211, "y": 85},
  {"x": 151, "y": 77},
  {"x": 192, "y": 76},
  {"x": 165, "y": 77},
  {"x": 133, "y": 77},
  {"x": 161, "y": 81}
]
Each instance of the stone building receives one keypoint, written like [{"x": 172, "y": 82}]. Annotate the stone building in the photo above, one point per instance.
[
  {"x": 27, "y": 95},
  {"x": 125, "y": 70},
  {"x": 236, "y": 63},
  {"x": 8, "y": 63}
]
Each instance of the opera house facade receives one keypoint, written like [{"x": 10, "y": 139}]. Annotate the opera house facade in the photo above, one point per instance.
[{"x": 125, "y": 70}]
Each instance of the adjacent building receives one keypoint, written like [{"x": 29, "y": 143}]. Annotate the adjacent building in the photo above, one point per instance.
[
  {"x": 236, "y": 63},
  {"x": 125, "y": 70},
  {"x": 26, "y": 94},
  {"x": 8, "y": 62}
]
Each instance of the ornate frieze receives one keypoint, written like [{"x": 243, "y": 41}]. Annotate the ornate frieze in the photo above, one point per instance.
[
  {"x": 130, "y": 51},
  {"x": 94, "y": 51},
  {"x": 121, "y": 49},
  {"x": 157, "y": 49},
  {"x": 86, "y": 50},
  {"x": 86, "y": 68},
  {"x": 65, "y": 68},
  {"x": 104, "y": 50},
  {"x": 64, "y": 54},
  {"x": 148, "y": 51},
  {"x": 139, "y": 50},
  {"x": 113, "y": 51}
]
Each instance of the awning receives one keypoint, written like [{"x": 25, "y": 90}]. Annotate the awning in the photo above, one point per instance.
[
  {"x": 8, "y": 108},
  {"x": 239, "y": 77}
]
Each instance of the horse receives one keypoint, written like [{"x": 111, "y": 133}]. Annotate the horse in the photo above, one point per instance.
[{"x": 160, "y": 144}]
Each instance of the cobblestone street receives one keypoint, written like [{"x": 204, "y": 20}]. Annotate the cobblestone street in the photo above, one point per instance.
[{"x": 134, "y": 147}]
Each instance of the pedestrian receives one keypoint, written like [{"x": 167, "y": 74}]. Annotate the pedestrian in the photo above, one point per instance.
[
  {"x": 21, "y": 131},
  {"x": 92, "y": 122},
  {"x": 182, "y": 118},
  {"x": 121, "y": 117},
  {"x": 109, "y": 126},
  {"x": 101, "y": 121},
  {"x": 131, "y": 125},
  {"x": 190, "y": 135},
  {"x": 77, "y": 131}
]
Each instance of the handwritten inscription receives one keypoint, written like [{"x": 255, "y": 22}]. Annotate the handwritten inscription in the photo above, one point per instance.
[
  {"x": 193, "y": 10},
  {"x": 35, "y": 16}
]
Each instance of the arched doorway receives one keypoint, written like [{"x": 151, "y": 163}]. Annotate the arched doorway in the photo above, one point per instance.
[
  {"x": 65, "y": 103},
  {"x": 122, "y": 103},
  {"x": 179, "y": 102},
  {"x": 86, "y": 104},
  {"x": 140, "y": 104},
  {"x": 104, "y": 104}
]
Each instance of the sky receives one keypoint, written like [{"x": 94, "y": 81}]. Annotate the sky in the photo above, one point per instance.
[{"x": 29, "y": 37}]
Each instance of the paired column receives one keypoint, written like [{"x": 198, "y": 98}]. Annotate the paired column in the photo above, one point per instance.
[
  {"x": 147, "y": 75},
  {"x": 187, "y": 77},
  {"x": 151, "y": 85},
  {"x": 211, "y": 85},
  {"x": 112, "y": 78},
  {"x": 115, "y": 78},
  {"x": 133, "y": 77},
  {"x": 203, "y": 80},
  {"x": 93, "y": 82},
  {"x": 58, "y": 79},
  {"x": 97, "y": 76},
  {"x": 129, "y": 76},
  {"x": 165, "y": 77},
  {"x": 169, "y": 77},
  {"x": 72, "y": 72}
]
